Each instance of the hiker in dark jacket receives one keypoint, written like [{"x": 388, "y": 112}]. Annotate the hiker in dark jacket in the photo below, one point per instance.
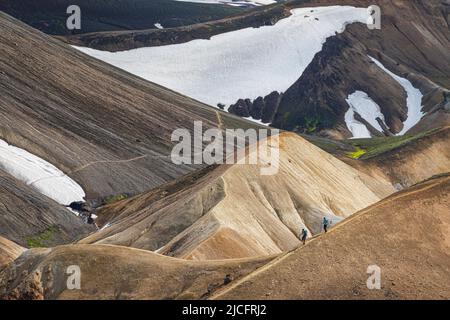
[
  {"x": 325, "y": 224},
  {"x": 304, "y": 235}
]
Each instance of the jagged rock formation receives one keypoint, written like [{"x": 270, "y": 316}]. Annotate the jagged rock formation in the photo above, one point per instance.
[
  {"x": 260, "y": 109},
  {"x": 406, "y": 235}
]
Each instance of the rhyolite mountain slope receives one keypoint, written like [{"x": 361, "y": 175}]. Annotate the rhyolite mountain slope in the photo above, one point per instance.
[
  {"x": 108, "y": 130},
  {"x": 235, "y": 212},
  {"x": 414, "y": 261},
  {"x": 402, "y": 160},
  {"x": 406, "y": 236}
]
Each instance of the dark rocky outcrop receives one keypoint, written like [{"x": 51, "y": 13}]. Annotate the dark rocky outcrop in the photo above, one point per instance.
[
  {"x": 260, "y": 109},
  {"x": 241, "y": 108}
]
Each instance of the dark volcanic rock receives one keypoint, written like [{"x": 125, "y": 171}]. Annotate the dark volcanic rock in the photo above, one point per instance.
[
  {"x": 260, "y": 109},
  {"x": 271, "y": 103},
  {"x": 240, "y": 108}
]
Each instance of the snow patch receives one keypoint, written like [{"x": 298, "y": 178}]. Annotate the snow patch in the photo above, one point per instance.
[
  {"x": 413, "y": 102},
  {"x": 361, "y": 103},
  {"x": 105, "y": 226},
  {"x": 246, "y": 63},
  {"x": 39, "y": 174}
]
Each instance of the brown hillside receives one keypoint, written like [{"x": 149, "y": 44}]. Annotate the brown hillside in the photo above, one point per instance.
[
  {"x": 111, "y": 272},
  {"x": 406, "y": 235}
]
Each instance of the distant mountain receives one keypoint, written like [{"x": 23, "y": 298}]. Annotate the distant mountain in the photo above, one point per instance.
[
  {"x": 50, "y": 16},
  {"x": 391, "y": 66},
  {"x": 401, "y": 71}
]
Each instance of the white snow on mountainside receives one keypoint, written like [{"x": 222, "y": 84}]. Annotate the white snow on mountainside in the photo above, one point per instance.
[
  {"x": 413, "y": 102},
  {"x": 246, "y": 63},
  {"x": 361, "y": 103},
  {"x": 39, "y": 174}
]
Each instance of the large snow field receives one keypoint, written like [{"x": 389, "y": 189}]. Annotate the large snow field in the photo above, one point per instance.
[
  {"x": 361, "y": 103},
  {"x": 246, "y": 63},
  {"x": 39, "y": 174},
  {"x": 413, "y": 102}
]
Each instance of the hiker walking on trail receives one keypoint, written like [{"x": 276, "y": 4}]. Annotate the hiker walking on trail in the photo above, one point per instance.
[
  {"x": 325, "y": 224},
  {"x": 304, "y": 235}
]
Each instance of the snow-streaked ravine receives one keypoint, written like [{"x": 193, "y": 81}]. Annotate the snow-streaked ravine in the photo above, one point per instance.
[
  {"x": 413, "y": 102},
  {"x": 39, "y": 174},
  {"x": 361, "y": 103},
  {"x": 246, "y": 63}
]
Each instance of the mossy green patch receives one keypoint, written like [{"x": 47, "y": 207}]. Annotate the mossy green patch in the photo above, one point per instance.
[
  {"x": 311, "y": 124},
  {"x": 376, "y": 146},
  {"x": 357, "y": 154},
  {"x": 116, "y": 198},
  {"x": 42, "y": 239}
]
